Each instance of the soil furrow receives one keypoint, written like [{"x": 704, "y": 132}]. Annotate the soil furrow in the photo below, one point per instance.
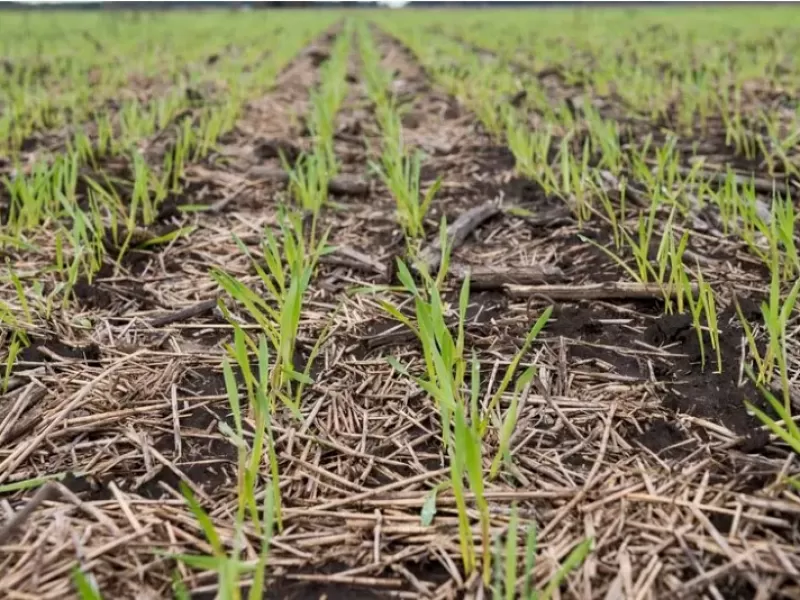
[
  {"x": 707, "y": 143},
  {"x": 177, "y": 359},
  {"x": 618, "y": 339}
]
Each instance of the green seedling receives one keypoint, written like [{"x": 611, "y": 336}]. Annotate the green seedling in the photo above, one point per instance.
[
  {"x": 463, "y": 423},
  {"x": 530, "y": 149},
  {"x": 19, "y": 341},
  {"x": 230, "y": 567},
  {"x": 784, "y": 427},
  {"x": 610, "y": 213},
  {"x": 251, "y": 454},
  {"x": 308, "y": 180},
  {"x": 290, "y": 262},
  {"x": 402, "y": 177},
  {"x": 85, "y": 585},
  {"x": 485, "y": 105},
  {"x": 776, "y": 312},
  {"x": 506, "y": 584}
]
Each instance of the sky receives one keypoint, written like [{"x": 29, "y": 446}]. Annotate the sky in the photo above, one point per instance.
[{"x": 387, "y": 2}]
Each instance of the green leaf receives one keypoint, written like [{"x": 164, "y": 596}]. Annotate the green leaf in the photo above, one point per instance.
[
  {"x": 429, "y": 507},
  {"x": 179, "y": 588},
  {"x": 200, "y": 562},
  {"x": 395, "y": 364},
  {"x": 510, "y": 421},
  {"x": 463, "y": 303},
  {"x": 404, "y": 275},
  {"x": 167, "y": 237},
  {"x": 29, "y": 484},
  {"x": 530, "y": 561},
  {"x": 788, "y": 433},
  {"x": 635, "y": 276},
  {"x": 573, "y": 561},
  {"x": 203, "y": 519},
  {"x": 84, "y": 587},
  {"x": 396, "y": 314},
  {"x": 511, "y": 555},
  {"x": 532, "y": 334},
  {"x": 232, "y": 389},
  {"x": 297, "y": 376},
  {"x": 257, "y": 589},
  {"x": 518, "y": 211},
  {"x": 189, "y": 208}
]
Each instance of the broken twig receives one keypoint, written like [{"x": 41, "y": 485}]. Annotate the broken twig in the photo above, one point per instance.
[
  {"x": 459, "y": 230},
  {"x": 46, "y": 492},
  {"x": 194, "y": 310},
  {"x": 488, "y": 278},
  {"x": 624, "y": 290},
  {"x": 343, "y": 185}
]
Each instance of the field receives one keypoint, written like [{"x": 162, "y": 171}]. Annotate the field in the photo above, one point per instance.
[{"x": 400, "y": 304}]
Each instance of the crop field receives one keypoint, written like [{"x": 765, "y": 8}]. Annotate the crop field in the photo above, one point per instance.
[{"x": 400, "y": 304}]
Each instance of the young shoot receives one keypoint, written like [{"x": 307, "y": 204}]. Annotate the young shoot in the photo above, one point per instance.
[
  {"x": 507, "y": 584},
  {"x": 464, "y": 422},
  {"x": 285, "y": 269},
  {"x": 402, "y": 176}
]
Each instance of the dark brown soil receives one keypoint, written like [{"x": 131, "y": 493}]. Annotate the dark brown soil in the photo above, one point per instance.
[
  {"x": 48, "y": 350},
  {"x": 627, "y": 432}
]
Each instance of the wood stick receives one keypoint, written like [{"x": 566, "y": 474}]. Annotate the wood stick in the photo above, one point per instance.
[
  {"x": 459, "y": 230},
  {"x": 46, "y": 492},
  {"x": 491, "y": 278},
  {"x": 343, "y": 185},
  {"x": 351, "y": 257},
  {"x": 594, "y": 291},
  {"x": 194, "y": 310}
]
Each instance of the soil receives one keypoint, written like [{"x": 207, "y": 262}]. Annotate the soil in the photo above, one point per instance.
[
  {"x": 628, "y": 433},
  {"x": 46, "y": 350}
]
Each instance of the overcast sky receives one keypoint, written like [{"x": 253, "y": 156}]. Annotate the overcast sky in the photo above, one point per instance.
[{"x": 389, "y": 2}]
